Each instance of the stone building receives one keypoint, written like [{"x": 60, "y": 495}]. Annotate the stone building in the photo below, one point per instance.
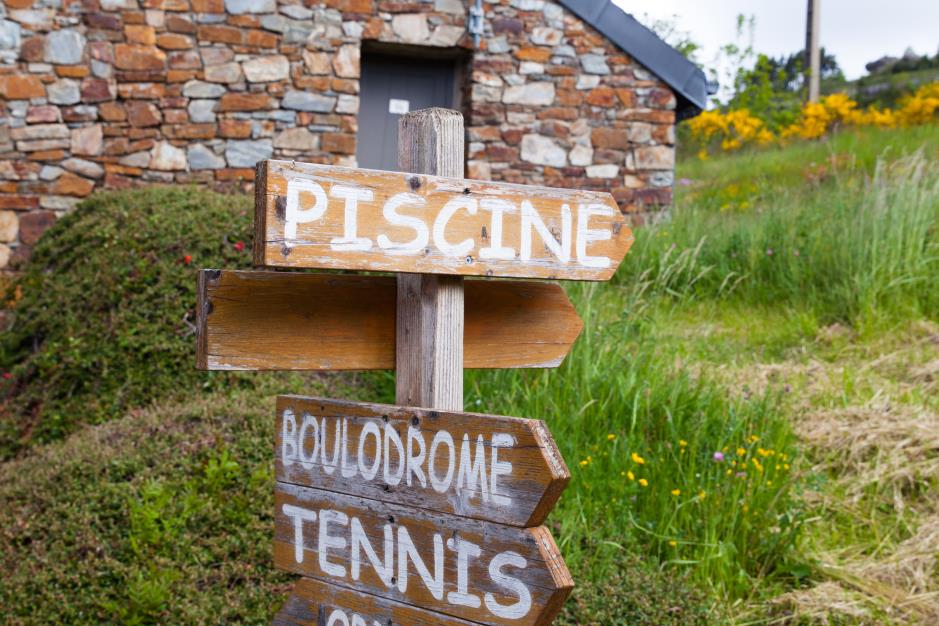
[{"x": 120, "y": 93}]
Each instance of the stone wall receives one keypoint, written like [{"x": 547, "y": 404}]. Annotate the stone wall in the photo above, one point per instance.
[{"x": 119, "y": 93}]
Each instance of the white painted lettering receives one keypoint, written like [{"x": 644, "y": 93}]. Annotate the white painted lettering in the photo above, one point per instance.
[
  {"x": 496, "y": 250},
  {"x": 415, "y": 461},
  {"x": 350, "y": 241},
  {"x": 326, "y": 541},
  {"x": 442, "y": 437},
  {"x": 472, "y": 469},
  {"x": 288, "y": 438},
  {"x": 587, "y": 235},
  {"x": 294, "y": 215},
  {"x": 369, "y": 473},
  {"x": 360, "y": 541},
  {"x": 346, "y": 470},
  {"x": 336, "y": 618},
  {"x": 299, "y": 515},
  {"x": 407, "y": 551},
  {"x": 530, "y": 217},
  {"x": 509, "y": 583},
  {"x": 464, "y": 550},
  {"x": 307, "y": 462},
  {"x": 329, "y": 466},
  {"x": 499, "y": 468},
  {"x": 391, "y": 436},
  {"x": 440, "y": 227},
  {"x": 421, "y": 233}
]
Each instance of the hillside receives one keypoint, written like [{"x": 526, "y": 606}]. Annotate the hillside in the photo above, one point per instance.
[{"x": 750, "y": 415}]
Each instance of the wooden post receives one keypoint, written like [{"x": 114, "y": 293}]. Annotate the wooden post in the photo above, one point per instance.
[
  {"x": 813, "y": 62},
  {"x": 429, "y": 325}
]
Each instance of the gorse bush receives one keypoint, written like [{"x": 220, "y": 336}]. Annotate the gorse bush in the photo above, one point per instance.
[
  {"x": 104, "y": 317},
  {"x": 733, "y": 129}
]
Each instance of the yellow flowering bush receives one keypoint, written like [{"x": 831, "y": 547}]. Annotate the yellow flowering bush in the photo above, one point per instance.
[{"x": 732, "y": 130}]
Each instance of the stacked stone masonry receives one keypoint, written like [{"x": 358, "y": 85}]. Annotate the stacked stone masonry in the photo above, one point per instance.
[{"x": 122, "y": 93}]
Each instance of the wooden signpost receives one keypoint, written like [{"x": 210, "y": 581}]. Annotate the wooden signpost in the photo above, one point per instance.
[
  {"x": 334, "y": 217},
  {"x": 399, "y": 515}
]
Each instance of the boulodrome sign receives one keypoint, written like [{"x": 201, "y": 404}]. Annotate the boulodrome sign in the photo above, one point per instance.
[{"x": 393, "y": 514}]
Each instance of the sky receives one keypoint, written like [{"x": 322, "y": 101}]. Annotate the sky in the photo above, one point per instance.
[{"x": 856, "y": 31}]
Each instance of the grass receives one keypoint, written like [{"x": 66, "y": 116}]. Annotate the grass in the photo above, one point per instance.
[{"x": 823, "y": 367}]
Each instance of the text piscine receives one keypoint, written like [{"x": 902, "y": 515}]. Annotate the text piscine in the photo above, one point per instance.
[{"x": 307, "y": 202}]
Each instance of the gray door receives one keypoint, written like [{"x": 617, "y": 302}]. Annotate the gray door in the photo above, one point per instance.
[{"x": 391, "y": 86}]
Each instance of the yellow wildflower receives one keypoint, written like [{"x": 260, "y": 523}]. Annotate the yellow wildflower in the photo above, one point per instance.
[
  {"x": 682, "y": 443},
  {"x": 638, "y": 459},
  {"x": 630, "y": 475},
  {"x": 741, "y": 452},
  {"x": 643, "y": 482},
  {"x": 611, "y": 437},
  {"x": 676, "y": 492},
  {"x": 701, "y": 495},
  {"x": 674, "y": 544}
]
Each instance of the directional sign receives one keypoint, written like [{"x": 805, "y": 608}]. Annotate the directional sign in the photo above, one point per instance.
[
  {"x": 315, "y": 603},
  {"x": 320, "y": 216},
  {"x": 501, "y": 469},
  {"x": 291, "y": 321},
  {"x": 469, "y": 569}
]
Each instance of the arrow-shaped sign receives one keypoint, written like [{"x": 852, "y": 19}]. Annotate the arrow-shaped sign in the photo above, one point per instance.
[
  {"x": 501, "y": 469},
  {"x": 315, "y": 603},
  {"x": 325, "y": 216},
  {"x": 289, "y": 321},
  {"x": 478, "y": 571}
]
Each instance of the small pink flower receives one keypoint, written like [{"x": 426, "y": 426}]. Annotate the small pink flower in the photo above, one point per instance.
[
  {"x": 7, "y": 375},
  {"x": 719, "y": 456},
  {"x": 187, "y": 259},
  {"x": 239, "y": 246},
  {"x": 769, "y": 252}
]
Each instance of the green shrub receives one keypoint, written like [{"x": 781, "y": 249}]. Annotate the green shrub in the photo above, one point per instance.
[
  {"x": 105, "y": 322},
  {"x": 639, "y": 594}
]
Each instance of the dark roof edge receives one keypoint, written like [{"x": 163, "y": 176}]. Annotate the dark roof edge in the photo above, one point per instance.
[{"x": 686, "y": 78}]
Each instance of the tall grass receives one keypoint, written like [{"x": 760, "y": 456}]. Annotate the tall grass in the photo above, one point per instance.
[
  {"x": 662, "y": 460},
  {"x": 859, "y": 247}
]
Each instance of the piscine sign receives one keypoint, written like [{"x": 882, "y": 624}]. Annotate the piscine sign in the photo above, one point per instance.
[
  {"x": 334, "y": 217},
  {"x": 398, "y": 515}
]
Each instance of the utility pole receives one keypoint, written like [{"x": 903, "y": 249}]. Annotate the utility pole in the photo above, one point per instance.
[{"x": 813, "y": 60}]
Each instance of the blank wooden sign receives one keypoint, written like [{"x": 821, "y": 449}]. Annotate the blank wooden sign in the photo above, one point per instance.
[
  {"x": 501, "y": 469},
  {"x": 292, "y": 321},
  {"x": 320, "y": 216}
]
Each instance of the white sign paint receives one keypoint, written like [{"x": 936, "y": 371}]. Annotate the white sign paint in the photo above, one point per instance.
[
  {"x": 468, "y": 467},
  {"x": 308, "y": 201},
  {"x": 341, "y": 218},
  {"x": 398, "y": 107}
]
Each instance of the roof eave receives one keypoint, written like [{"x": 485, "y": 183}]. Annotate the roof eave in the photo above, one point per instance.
[{"x": 685, "y": 78}]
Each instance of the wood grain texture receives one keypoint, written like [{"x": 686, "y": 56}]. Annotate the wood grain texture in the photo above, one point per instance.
[
  {"x": 312, "y": 244},
  {"x": 538, "y": 568},
  {"x": 430, "y": 308},
  {"x": 261, "y": 320},
  {"x": 522, "y": 497},
  {"x": 314, "y": 602}
]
